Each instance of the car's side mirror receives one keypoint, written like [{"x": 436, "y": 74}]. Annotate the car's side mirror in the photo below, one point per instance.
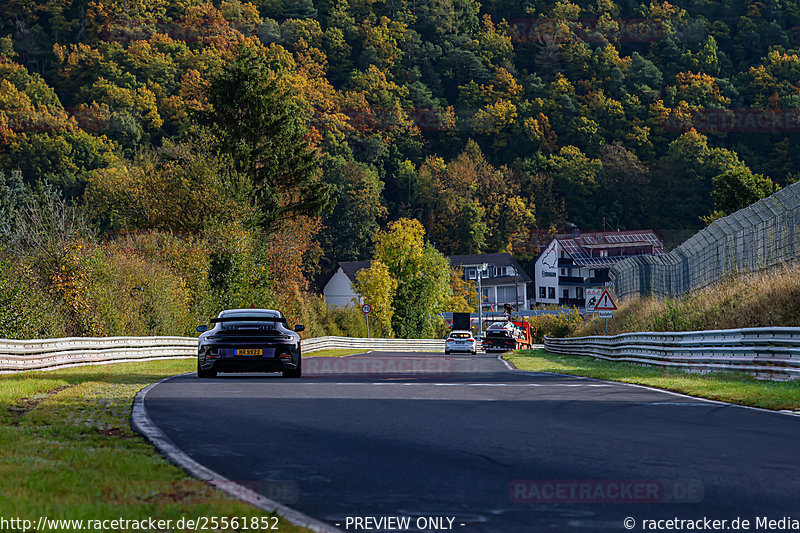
[
  {"x": 202, "y": 328},
  {"x": 299, "y": 327}
]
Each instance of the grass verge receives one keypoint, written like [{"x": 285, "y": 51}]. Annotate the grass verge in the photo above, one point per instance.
[
  {"x": 69, "y": 451},
  {"x": 733, "y": 387}
]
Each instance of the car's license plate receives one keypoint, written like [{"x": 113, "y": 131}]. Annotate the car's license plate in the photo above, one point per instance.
[
  {"x": 461, "y": 342},
  {"x": 249, "y": 351}
]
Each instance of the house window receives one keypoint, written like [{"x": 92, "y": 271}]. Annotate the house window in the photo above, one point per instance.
[
  {"x": 566, "y": 294},
  {"x": 551, "y": 293},
  {"x": 542, "y": 292},
  {"x": 579, "y": 293},
  {"x": 471, "y": 273},
  {"x": 562, "y": 272},
  {"x": 505, "y": 294},
  {"x": 603, "y": 253}
]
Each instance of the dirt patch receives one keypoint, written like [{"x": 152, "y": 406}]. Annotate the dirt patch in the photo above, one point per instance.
[
  {"x": 29, "y": 404},
  {"x": 116, "y": 432}
]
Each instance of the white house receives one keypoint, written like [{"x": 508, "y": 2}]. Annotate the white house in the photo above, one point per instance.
[
  {"x": 571, "y": 263},
  {"x": 503, "y": 281},
  {"x": 338, "y": 291}
]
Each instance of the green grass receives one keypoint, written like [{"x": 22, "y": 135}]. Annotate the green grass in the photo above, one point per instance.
[
  {"x": 69, "y": 452},
  {"x": 332, "y": 353},
  {"x": 733, "y": 387}
]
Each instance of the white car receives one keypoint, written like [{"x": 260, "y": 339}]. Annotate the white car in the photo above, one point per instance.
[{"x": 460, "y": 341}]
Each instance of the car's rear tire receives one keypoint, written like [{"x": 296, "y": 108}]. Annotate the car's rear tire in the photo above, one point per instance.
[
  {"x": 210, "y": 373},
  {"x": 297, "y": 372}
]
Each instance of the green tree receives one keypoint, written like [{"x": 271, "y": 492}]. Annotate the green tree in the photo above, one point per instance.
[
  {"x": 683, "y": 182},
  {"x": 260, "y": 127},
  {"x": 576, "y": 179},
  {"x": 421, "y": 273},
  {"x": 735, "y": 185},
  {"x": 349, "y": 229}
]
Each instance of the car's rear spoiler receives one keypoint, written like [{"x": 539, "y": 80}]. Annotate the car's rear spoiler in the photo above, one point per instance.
[{"x": 280, "y": 319}]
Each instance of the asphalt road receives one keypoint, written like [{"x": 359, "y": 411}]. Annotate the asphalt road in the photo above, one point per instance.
[{"x": 465, "y": 438}]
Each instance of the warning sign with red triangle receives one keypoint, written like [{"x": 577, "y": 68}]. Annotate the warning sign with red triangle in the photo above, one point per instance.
[{"x": 606, "y": 302}]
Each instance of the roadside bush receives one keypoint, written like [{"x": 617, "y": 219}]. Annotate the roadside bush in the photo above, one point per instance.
[
  {"x": 560, "y": 325},
  {"x": 26, "y": 312},
  {"x": 339, "y": 322},
  {"x": 63, "y": 282},
  {"x": 134, "y": 296}
]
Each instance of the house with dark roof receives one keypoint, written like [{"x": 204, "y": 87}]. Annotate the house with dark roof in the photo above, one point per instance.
[
  {"x": 338, "y": 291},
  {"x": 503, "y": 281},
  {"x": 573, "y": 262}
]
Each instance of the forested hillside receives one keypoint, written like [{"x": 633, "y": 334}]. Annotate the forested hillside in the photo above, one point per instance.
[{"x": 282, "y": 134}]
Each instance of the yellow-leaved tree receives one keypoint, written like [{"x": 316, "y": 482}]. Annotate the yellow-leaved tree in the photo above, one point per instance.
[
  {"x": 376, "y": 286},
  {"x": 408, "y": 284}
]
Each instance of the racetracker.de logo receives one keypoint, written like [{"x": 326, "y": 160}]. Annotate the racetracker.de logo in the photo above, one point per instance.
[
  {"x": 605, "y": 491},
  {"x": 378, "y": 367}
]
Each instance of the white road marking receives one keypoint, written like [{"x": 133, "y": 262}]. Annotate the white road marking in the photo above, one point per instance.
[
  {"x": 354, "y": 354},
  {"x": 316, "y": 384},
  {"x": 509, "y": 366}
]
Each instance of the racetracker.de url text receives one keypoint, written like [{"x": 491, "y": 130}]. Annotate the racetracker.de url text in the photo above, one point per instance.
[
  {"x": 758, "y": 523},
  {"x": 44, "y": 524}
]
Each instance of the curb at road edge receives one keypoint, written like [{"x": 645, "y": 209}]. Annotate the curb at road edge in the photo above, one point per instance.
[{"x": 142, "y": 423}]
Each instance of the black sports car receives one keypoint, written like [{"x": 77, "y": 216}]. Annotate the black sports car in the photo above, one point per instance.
[{"x": 249, "y": 340}]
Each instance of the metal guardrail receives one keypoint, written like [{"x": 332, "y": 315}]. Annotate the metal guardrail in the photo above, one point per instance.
[
  {"x": 355, "y": 343},
  {"x": 771, "y": 352},
  {"x": 48, "y": 353},
  {"x": 17, "y": 355}
]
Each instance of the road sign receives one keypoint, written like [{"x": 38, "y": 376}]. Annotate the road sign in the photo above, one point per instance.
[
  {"x": 592, "y": 296},
  {"x": 605, "y": 302},
  {"x": 366, "y": 308},
  {"x": 605, "y": 314}
]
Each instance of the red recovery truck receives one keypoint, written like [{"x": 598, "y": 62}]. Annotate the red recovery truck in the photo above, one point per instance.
[{"x": 507, "y": 336}]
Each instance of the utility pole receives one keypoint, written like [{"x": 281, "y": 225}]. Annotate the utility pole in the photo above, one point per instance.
[{"x": 481, "y": 269}]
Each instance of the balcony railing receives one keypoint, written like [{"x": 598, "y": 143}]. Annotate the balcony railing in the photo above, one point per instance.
[{"x": 586, "y": 282}]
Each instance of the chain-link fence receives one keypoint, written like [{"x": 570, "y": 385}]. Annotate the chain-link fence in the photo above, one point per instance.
[{"x": 763, "y": 235}]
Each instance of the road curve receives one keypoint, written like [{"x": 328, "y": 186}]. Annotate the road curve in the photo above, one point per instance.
[{"x": 481, "y": 446}]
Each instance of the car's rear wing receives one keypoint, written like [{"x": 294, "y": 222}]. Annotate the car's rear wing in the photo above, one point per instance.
[{"x": 262, "y": 318}]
